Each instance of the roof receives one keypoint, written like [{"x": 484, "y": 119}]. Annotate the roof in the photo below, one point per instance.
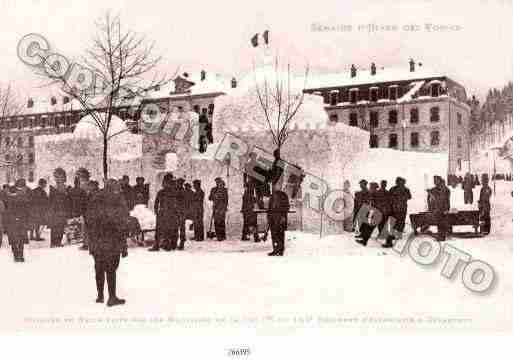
[{"x": 364, "y": 77}]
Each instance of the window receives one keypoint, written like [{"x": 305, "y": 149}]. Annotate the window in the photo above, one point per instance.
[
  {"x": 374, "y": 94},
  {"x": 435, "y": 138},
  {"x": 374, "y": 141},
  {"x": 458, "y": 117},
  {"x": 67, "y": 120},
  {"x": 20, "y": 124},
  {"x": 392, "y": 140},
  {"x": 31, "y": 176},
  {"x": 8, "y": 158},
  {"x": 353, "y": 94},
  {"x": 414, "y": 139},
  {"x": 353, "y": 119},
  {"x": 414, "y": 115},
  {"x": 31, "y": 158},
  {"x": 435, "y": 114},
  {"x": 31, "y": 141},
  {"x": 435, "y": 90},
  {"x": 334, "y": 117},
  {"x": 211, "y": 109},
  {"x": 7, "y": 141},
  {"x": 374, "y": 121},
  {"x": 392, "y": 117},
  {"x": 32, "y": 122},
  {"x": 459, "y": 164},
  {"x": 333, "y": 98},
  {"x": 458, "y": 141},
  {"x": 20, "y": 141},
  {"x": 326, "y": 97},
  {"x": 392, "y": 93}
]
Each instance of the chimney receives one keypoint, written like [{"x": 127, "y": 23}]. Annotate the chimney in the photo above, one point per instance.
[
  {"x": 234, "y": 83},
  {"x": 412, "y": 65},
  {"x": 53, "y": 101},
  {"x": 353, "y": 71},
  {"x": 30, "y": 102},
  {"x": 65, "y": 100},
  {"x": 373, "y": 69},
  {"x": 203, "y": 75}
]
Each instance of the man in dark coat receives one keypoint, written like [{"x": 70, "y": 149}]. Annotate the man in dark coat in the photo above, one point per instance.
[
  {"x": 107, "y": 215},
  {"x": 182, "y": 212},
  {"x": 484, "y": 205},
  {"x": 399, "y": 197},
  {"x": 360, "y": 198},
  {"x": 39, "y": 210},
  {"x": 383, "y": 204},
  {"x": 219, "y": 197},
  {"x": 78, "y": 205},
  {"x": 277, "y": 214},
  {"x": 440, "y": 196},
  {"x": 166, "y": 211},
  {"x": 198, "y": 198},
  {"x": 468, "y": 186},
  {"x": 141, "y": 192},
  {"x": 373, "y": 217},
  {"x": 126, "y": 191},
  {"x": 249, "y": 216},
  {"x": 17, "y": 203}
]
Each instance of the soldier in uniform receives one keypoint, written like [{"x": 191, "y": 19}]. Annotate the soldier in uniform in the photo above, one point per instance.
[
  {"x": 198, "y": 198},
  {"x": 219, "y": 197},
  {"x": 59, "y": 207},
  {"x": 383, "y": 204},
  {"x": 484, "y": 205},
  {"x": 399, "y": 196},
  {"x": 367, "y": 227},
  {"x": 182, "y": 212},
  {"x": 166, "y": 210},
  {"x": 360, "y": 198},
  {"x": 279, "y": 207},
  {"x": 249, "y": 216},
  {"x": 141, "y": 192},
  {"x": 440, "y": 198},
  {"x": 39, "y": 210},
  {"x": 17, "y": 216},
  {"x": 107, "y": 217},
  {"x": 468, "y": 186}
]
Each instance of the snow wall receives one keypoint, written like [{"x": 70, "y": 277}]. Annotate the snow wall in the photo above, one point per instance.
[{"x": 71, "y": 152}]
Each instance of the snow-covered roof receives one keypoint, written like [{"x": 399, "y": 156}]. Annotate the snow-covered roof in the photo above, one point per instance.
[{"x": 343, "y": 79}]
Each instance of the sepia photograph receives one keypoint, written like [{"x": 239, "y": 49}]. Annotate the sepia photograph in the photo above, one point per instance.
[{"x": 227, "y": 171}]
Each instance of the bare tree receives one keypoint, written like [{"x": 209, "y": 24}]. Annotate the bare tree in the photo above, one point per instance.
[
  {"x": 279, "y": 102},
  {"x": 10, "y": 106},
  {"x": 125, "y": 62}
]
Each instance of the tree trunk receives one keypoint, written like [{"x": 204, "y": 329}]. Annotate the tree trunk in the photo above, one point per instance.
[{"x": 105, "y": 161}]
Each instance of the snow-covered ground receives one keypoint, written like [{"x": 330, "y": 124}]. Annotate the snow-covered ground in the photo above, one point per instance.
[{"x": 329, "y": 282}]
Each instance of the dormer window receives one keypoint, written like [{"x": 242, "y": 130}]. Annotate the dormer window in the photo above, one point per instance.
[
  {"x": 374, "y": 94},
  {"x": 334, "y": 98},
  {"x": 392, "y": 92},
  {"x": 353, "y": 95},
  {"x": 435, "y": 90}
]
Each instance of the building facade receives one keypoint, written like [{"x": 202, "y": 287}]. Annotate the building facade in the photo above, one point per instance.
[
  {"x": 60, "y": 115},
  {"x": 408, "y": 109}
]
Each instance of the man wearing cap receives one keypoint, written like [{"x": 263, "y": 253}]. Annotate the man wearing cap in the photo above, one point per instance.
[
  {"x": 107, "y": 216},
  {"x": 181, "y": 206},
  {"x": 17, "y": 216},
  {"x": 219, "y": 198},
  {"x": 360, "y": 198},
  {"x": 279, "y": 207}
]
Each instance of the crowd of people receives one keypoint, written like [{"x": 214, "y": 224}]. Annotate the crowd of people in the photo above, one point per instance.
[{"x": 375, "y": 198}]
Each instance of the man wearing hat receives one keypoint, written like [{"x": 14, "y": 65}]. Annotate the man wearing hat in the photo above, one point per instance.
[
  {"x": 277, "y": 218},
  {"x": 181, "y": 206},
  {"x": 399, "y": 195},
  {"x": 360, "y": 198},
  {"x": 219, "y": 198},
  {"x": 17, "y": 203}
]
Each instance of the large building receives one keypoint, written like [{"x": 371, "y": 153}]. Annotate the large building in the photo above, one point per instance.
[
  {"x": 58, "y": 115},
  {"x": 409, "y": 109}
]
